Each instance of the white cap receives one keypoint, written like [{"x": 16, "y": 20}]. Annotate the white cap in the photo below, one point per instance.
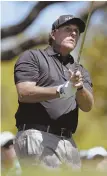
[
  {"x": 83, "y": 153},
  {"x": 96, "y": 151},
  {"x": 5, "y": 137}
]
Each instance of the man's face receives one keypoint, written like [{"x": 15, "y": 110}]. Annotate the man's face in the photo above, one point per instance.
[{"x": 67, "y": 36}]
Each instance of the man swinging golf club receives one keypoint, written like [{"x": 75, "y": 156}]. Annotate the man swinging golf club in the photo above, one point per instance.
[{"x": 50, "y": 93}]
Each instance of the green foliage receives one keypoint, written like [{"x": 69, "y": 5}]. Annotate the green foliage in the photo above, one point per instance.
[{"x": 92, "y": 128}]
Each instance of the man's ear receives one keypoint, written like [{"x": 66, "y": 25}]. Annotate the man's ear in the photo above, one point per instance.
[{"x": 52, "y": 35}]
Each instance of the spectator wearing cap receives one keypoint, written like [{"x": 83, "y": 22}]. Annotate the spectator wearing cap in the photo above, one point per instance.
[
  {"x": 99, "y": 155},
  {"x": 94, "y": 158},
  {"x": 50, "y": 93},
  {"x": 9, "y": 161},
  {"x": 96, "y": 152}
]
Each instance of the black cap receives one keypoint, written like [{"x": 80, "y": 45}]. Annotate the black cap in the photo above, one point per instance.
[{"x": 69, "y": 19}]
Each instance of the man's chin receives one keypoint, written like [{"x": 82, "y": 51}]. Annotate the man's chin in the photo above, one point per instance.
[{"x": 69, "y": 47}]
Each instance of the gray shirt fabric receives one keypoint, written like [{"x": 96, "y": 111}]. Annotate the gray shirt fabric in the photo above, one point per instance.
[{"x": 47, "y": 68}]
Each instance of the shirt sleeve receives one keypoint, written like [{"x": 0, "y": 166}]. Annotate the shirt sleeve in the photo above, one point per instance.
[
  {"x": 86, "y": 79},
  {"x": 26, "y": 68}
]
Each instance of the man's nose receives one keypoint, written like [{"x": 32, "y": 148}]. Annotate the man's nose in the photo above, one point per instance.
[{"x": 73, "y": 33}]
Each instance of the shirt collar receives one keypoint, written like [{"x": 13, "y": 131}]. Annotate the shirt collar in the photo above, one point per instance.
[{"x": 51, "y": 52}]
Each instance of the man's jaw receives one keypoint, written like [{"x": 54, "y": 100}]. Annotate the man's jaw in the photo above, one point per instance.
[{"x": 65, "y": 50}]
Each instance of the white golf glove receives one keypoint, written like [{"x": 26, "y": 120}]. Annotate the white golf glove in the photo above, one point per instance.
[{"x": 66, "y": 90}]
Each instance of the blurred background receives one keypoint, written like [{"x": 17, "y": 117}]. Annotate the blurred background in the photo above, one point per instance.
[{"x": 26, "y": 24}]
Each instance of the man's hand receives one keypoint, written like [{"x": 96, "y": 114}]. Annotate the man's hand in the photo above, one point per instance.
[
  {"x": 76, "y": 79},
  {"x": 84, "y": 97},
  {"x": 66, "y": 90},
  {"x": 70, "y": 87}
]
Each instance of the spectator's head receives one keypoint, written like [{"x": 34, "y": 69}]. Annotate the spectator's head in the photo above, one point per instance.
[
  {"x": 96, "y": 152},
  {"x": 7, "y": 149},
  {"x": 6, "y": 139}
]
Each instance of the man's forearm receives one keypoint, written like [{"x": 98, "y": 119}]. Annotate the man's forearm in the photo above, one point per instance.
[
  {"x": 37, "y": 94},
  {"x": 84, "y": 99}
]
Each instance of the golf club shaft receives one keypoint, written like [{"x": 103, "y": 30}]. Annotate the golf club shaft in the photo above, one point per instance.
[{"x": 82, "y": 44}]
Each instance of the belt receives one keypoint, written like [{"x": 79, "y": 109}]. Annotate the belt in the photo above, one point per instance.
[{"x": 62, "y": 132}]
